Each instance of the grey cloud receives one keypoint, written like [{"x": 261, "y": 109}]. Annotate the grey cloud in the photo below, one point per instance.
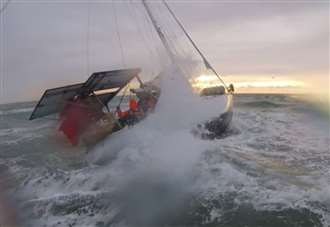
[{"x": 45, "y": 42}]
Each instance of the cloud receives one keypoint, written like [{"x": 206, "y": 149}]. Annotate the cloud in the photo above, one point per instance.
[
  {"x": 45, "y": 43},
  {"x": 268, "y": 41}
]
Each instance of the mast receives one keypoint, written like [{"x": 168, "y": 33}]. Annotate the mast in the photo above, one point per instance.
[
  {"x": 206, "y": 62},
  {"x": 159, "y": 32}
]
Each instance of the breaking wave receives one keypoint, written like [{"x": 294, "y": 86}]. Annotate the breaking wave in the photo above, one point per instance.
[
  {"x": 270, "y": 170},
  {"x": 16, "y": 111},
  {"x": 263, "y": 104}
]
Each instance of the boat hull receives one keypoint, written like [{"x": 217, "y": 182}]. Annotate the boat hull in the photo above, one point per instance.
[{"x": 217, "y": 126}]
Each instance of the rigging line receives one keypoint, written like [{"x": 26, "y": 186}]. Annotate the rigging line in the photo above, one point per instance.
[
  {"x": 2, "y": 59},
  {"x": 148, "y": 45},
  {"x": 173, "y": 38},
  {"x": 136, "y": 19},
  {"x": 88, "y": 39},
  {"x": 178, "y": 38},
  {"x": 123, "y": 95},
  {"x": 154, "y": 36},
  {"x": 168, "y": 47},
  {"x": 4, "y": 6},
  {"x": 207, "y": 64},
  {"x": 156, "y": 7},
  {"x": 175, "y": 50},
  {"x": 178, "y": 49},
  {"x": 118, "y": 33},
  {"x": 146, "y": 25},
  {"x": 161, "y": 36},
  {"x": 149, "y": 26},
  {"x": 168, "y": 34},
  {"x": 175, "y": 43},
  {"x": 187, "y": 68}
]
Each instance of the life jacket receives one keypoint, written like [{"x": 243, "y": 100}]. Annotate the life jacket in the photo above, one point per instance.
[
  {"x": 122, "y": 114},
  {"x": 133, "y": 105}
]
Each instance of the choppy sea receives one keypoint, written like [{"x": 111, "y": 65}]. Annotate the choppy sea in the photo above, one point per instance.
[{"x": 271, "y": 169}]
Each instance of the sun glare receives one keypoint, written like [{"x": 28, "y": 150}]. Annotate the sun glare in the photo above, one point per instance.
[{"x": 251, "y": 83}]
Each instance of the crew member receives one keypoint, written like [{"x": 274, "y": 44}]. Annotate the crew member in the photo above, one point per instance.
[{"x": 130, "y": 116}]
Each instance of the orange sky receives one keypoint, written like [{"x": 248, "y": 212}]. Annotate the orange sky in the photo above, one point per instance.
[
  {"x": 271, "y": 47},
  {"x": 269, "y": 83}
]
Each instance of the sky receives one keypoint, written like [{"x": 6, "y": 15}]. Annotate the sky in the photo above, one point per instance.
[{"x": 260, "y": 46}]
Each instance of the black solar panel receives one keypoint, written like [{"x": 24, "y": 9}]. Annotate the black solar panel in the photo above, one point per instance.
[
  {"x": 110, "y": 79},
  {"x": 54, "y": 100}
]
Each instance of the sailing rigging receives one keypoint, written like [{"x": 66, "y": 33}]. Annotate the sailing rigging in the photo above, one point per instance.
[
  {"x": 205, "y": 61},
  {"x": 81, "y": 106},
  {"x": 216, "y": 126}
]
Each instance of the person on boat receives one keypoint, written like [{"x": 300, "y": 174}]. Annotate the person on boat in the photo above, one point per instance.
[
  {"x": 147, "y": 98},
  {"x": 132, "y": 115},
  {"x": 148, "y": 103}
]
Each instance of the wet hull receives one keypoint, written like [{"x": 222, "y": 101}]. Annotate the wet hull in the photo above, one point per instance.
[{"x": 217, "y": 126}]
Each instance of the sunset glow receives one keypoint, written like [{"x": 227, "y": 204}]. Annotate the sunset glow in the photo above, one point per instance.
[{"x": 252, "y": 84}]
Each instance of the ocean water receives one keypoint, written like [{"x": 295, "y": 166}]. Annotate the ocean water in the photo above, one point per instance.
[{"x": 271, "y": 168}]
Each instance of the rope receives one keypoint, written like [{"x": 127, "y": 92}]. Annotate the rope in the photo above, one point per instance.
[
  {"x": 143, "y": 39},
  {"x": 135, "y": 17},
  {"x": 118, "y": 33},
  {"x": 88, "y": 39},
  {"x": 4, "y": 6},
  {"x": 122, "y": 97},
  {"x": 164, "y": 18},
  {"x": 207, "y": 64},
  {"x": 179, "y": 46},
  {"x": 153, "y": 36},
  {"x": 2, "y": 45},
  {"x": 173, "y": 40},
  {"x": 174, "y": 48}
]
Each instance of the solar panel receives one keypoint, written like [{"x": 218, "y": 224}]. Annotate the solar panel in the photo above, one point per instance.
[
  {"x": 105, "y": 98},
  {"x": 110, "y": 79},
  {"x": 54, "y": 100}
]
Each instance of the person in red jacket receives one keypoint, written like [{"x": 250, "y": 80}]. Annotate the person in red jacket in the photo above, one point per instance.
[{"x": 132, "y": 115}]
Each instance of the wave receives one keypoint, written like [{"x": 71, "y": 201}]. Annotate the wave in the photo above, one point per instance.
[
  {"x": 16, "y": 111},
  {"x": 262, "y": 104},
  {"x": 157, "y": 173}
]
